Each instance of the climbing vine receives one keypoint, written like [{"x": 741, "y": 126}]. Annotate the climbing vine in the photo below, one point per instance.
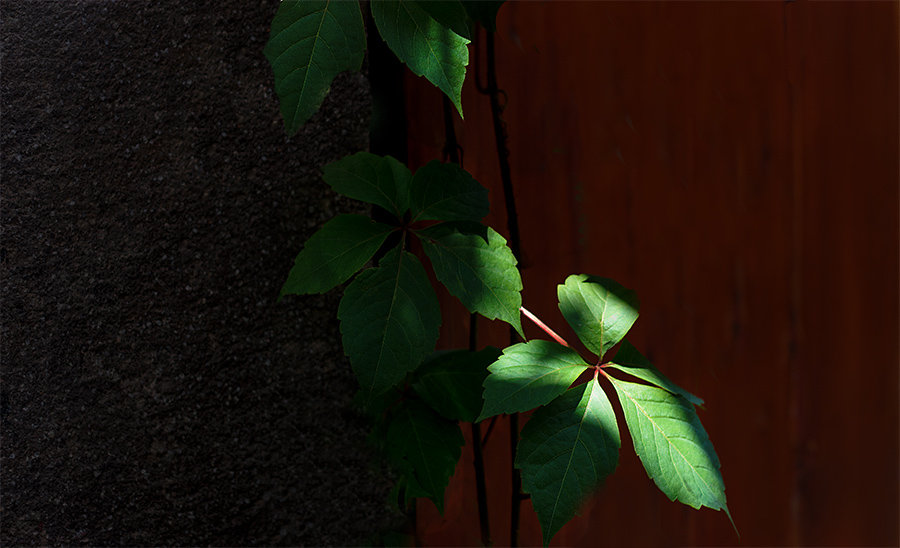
[{"x": 390, "y": 316}]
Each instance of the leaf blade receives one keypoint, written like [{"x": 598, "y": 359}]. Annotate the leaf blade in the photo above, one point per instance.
[
  {"x": 673, "y": 445},
  {"x": 390, "y": 319},
  {"x": 629, "y": 360},
  {"x": 449, "y": 13},
  {"x": 481, "y": 274},
  {"x": 600, "y": 310},
  {"x": 428, "y": 48},
  {"x": 379, "y": 180},
  {"x": 451, "y": 381},
  {"x": 567, "y": 449},
  {"x": 529, "y": 375},
  {"x": 311, "y": 42},
  {"x": 334, "y": 253},
  {"x": 446, "y": 192},
  {"x": 425, "y": 447}
]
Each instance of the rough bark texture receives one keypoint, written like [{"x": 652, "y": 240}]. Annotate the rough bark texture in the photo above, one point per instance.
[{"x": 153, "y": 391}]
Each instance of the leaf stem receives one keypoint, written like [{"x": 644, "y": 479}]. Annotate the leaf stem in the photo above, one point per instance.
[
  {"x": 543, "y": 326},
  {"x": 453, "y": 152}
]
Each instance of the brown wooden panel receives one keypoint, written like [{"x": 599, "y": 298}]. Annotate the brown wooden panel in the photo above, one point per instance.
[{"x": 736, "y": 164}]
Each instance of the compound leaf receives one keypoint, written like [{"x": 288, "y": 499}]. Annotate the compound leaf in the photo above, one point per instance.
[
  {"x": 481, "y": 274},
  {"x": 450, "y": 381},
  {"x": 446, "y": 192},
  {"x": 629, "y": 360},
  {"x": 599, "y": 310},
  {"x": 528, "y": 375},
  {"x": 425, "y": 447},
  {"x": 379, "y": 180},
  {"x": 310, "y": 43},
  {"x": 426, "y": 46},
  {"x": 449, "y": 13},
  {"x": 672, "y": 445},
  {"x": 390, "y": 320},
  {"x": 334, "y": 253},
  {"x": 567, "y": 449}
]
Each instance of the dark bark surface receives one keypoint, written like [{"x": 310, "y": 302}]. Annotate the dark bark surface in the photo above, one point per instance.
[{"x": 153, "y": 390}]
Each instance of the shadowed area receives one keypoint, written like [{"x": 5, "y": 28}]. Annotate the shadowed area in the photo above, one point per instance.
[{"x": 153, "y": 391}]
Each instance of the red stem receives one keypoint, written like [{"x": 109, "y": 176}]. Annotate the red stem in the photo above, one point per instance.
[{"x": 543, "y": 326}]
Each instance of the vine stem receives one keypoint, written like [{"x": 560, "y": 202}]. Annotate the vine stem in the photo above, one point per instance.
[
  {"x": 512, "y": 224},
  {"x": 453, "y": 153},
  {"x": 543, "y": 326}
]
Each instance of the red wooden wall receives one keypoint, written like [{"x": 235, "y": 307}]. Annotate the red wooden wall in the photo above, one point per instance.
[{"x": 737, "y": 165}]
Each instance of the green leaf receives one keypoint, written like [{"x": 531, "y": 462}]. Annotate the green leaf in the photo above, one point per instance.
[
  {"x": 426, "y": 448},
  {"x": 449, "y": 13},
  {"x": 481, "y": 274},
  {"x": 310, "y": 43},
  {"x": 446, "y": 192},
  {"x": 629, "y": 360},
  {"x": 378, "y": 180},
  {"x": 450, "y": 381},
  {"x": 334, "y": 253},
  {"x": 599, "y": 310},
  {"x": 427, "y": 47},
  {"x": 390, "y": 320},
  {"x": 528, "y": 375},
  {"x": 672, "y": 445},
  {"x": 567, "y": 449},
  {"x": 484, "y": 11}
]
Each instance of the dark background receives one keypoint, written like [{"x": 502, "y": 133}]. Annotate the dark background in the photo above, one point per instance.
[
  {"x": 735, "y": 163},
  {"x": 153, "y": 391}
]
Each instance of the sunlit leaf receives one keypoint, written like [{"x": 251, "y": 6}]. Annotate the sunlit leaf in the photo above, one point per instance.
[
  {"x": 672, "y": 445},
  {"x": 426, "y": 46},
  {"x": 599, "y": 310},
  {"x": 629, "y": 360},
  {"x": 567, "y": 449},
  {"x": 481, "y": 274},
  {"x": 528, "y": 375}
]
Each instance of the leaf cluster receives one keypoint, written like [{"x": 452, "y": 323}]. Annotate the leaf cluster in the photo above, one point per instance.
[
  {"x": 389, "y": 313},
  {"x": 390, "y": 316},
  {"x": 312, "y": 41},
  {"x": 572, "y": 441}
]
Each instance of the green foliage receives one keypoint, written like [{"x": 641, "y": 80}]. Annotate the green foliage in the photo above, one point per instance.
[
  {"x": 378, "y": 180},
  {"x": 629, "y": 360},
  {"x": 566, "y": 451},
  {"x": 599, "y": 310},
  {"x": 480, "y": 272},
  {"x": 444, "y": 192},
  {"x": 334, "y": 253},
  {"x": 424, "y": 447},
  {"x": 426, "y": 46},
  {"x": 450, "y": 14},
  {"x": 450, "y": 381},
  {"x": 672, "y": 445},
  {"x": 390, "y": 317},
  {"x": 528, "y": 375},
  {"x": 310, "y": 43},
  {"x": 571, "y": 443}
]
